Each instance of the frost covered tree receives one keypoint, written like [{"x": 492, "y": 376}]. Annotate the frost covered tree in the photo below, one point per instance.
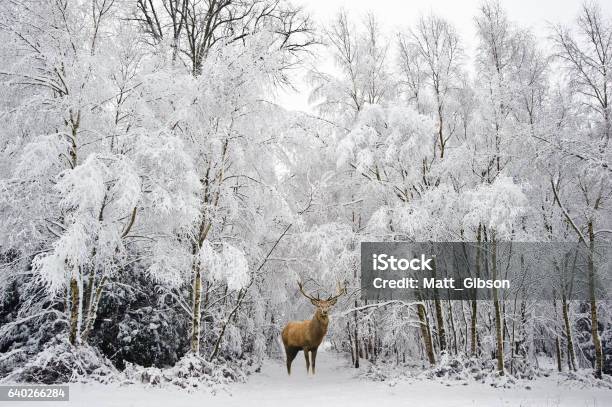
[
  {"x": 234, "y": 51},
  {"x": 361, "y": 54},
  {"x": 586, "y": 55},
  {"x": 431, "y": 62},
  {"x": 87, "y": 150}
]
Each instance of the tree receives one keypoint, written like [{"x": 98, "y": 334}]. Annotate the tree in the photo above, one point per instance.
[
  {"x": 498, "y": 208},
  {"x": 434, "y": 49},
  {"x": 196, "y": 27},
  {"x": 222, "y": 38},
  {"x": 361, "y": 55},
  {"x": 587, "y": 59},
  {"x": 93, "y": 160}
]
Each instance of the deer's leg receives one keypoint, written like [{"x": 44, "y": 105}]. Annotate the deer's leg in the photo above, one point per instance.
[
  {"x": 291, "y": 354},
  {"x": 307, "y": 360},
  {"x": 313, "y": 356}
]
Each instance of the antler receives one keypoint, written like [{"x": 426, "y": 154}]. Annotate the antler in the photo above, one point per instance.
[
  {"x": 340, "y": 291},
  {"x": 301, "y": 285}
]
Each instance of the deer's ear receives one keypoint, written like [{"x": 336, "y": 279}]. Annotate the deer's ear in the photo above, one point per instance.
[
  {"x": 333, "y": 302},
  {"x": 314, "y": 302}
]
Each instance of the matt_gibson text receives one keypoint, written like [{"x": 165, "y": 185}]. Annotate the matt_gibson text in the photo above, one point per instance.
[
  {"x": 438, "y": 283},
  {"x": 385, "y": 262}
]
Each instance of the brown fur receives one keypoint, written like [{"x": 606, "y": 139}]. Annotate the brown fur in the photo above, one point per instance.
[{"x": 307, "y": 335}]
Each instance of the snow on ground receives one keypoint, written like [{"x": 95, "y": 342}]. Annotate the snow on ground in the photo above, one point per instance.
[{"x": 335, "y": 384}]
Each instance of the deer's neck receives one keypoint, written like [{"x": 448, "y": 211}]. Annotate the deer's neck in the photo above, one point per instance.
[{"x": 318, "y": 324}]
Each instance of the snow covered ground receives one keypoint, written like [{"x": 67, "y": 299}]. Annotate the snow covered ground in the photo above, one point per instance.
[{"x": 335, "y": 384}]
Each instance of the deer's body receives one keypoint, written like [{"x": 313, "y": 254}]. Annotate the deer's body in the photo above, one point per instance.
[{"x": 307, "y": 335}]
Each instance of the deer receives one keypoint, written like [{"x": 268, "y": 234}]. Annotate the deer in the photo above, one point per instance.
[{"x": 307, "y": 335}]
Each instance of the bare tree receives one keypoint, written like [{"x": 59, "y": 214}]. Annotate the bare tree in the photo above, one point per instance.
[
  {"x": 361, "y": 54},
  {"x": 411, "y": 71},
  {"x": 195, "y": 26},
  {"x": 434, "y": 42},
  {"x": 587, "y": 57},
  {"x": 496, "y": 59}
]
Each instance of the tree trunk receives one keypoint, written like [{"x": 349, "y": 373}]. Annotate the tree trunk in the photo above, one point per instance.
[
  {"x": 356, "y": 317},
  {"x": 452, "y": 326},
  {"x": 440, "y": 127},
  {"x": 426, "y": 334},
  {"x": 473, "y": 340},
  {"x": 204, "y": 229},
  {"x": 440, "y": 325},
  {"x": 75, "y": 304},
  {"x": 594, "y": 320},
  {"x": 195, "y": 317},
  {"x": 348, "y": 330},
  {"x": 571, "y": 355},
  {"x": 439, "y": 316},
  {"x": 356, "y": 338},
  {"x": 92, "y": 311},
  {"x": 498, "y": 317},
  {"x": 557, "y": 343},
  {"x": 465, "y": 333},
  {"x": 558, "y": 350},
  {"x": 75, "y": 293}
]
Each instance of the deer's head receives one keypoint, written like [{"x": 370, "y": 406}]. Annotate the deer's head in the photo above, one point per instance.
[{"x": 323, "y": 305}]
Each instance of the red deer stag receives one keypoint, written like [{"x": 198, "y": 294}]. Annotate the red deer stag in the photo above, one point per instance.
[{"x": 307, "y": 335}]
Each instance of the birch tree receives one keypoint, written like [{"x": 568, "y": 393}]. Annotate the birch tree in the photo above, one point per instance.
[
  {"x": 89, "y": 153},
  {"x": 586, "y": 55},
  {"x": 435, "y": 43}
]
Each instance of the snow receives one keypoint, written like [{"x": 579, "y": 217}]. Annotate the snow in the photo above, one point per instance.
[{"x": 336, "y": 384}]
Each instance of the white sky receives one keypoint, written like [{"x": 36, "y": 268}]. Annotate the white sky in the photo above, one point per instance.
[{"x": 395, "y": 14}]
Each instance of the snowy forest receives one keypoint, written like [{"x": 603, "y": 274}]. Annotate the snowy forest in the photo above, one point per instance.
[{"x": 158, "y": 206}]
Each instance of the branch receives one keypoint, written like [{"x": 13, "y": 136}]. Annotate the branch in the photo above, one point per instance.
[
  {"x": 566, "y": 214},
  {"x": 130, "y": 223},
  {"x": 242, "y": 294},
  {"x": 378, "y": 305}
]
